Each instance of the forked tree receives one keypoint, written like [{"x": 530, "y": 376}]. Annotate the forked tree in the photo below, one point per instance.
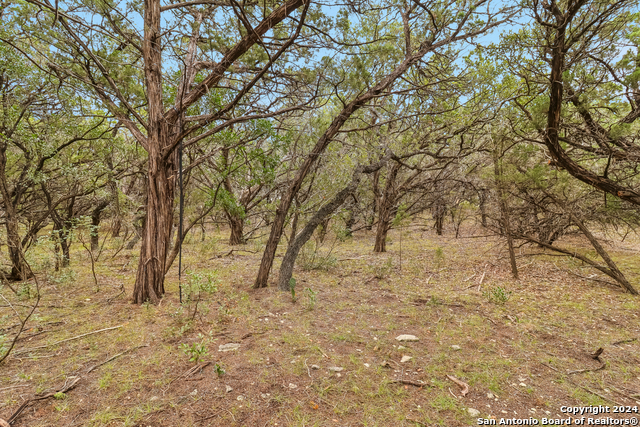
[{"x": 128, "y": 64}]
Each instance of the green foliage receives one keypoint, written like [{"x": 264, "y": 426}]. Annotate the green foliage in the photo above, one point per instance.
[
  {"x": 292, "y": 288},
  {"x": 199, "y": 284},
  {"x": 438, "y": 257},
  {"x": 311, "y": 298},
  {"x": 497, "y": 295},
  {"x": 219, "y": 370},
  {"x": 401, "y": 215},
  {"x": 59, "y": 396},
  {"x": 197, "y": 350},
  {"x": 311, "y": 259}
]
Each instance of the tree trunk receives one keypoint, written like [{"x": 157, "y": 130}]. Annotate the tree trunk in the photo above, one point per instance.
[
  {"x": 237, "y": 230},
  {"x": 289, "y": 260},
  {"x": 62, "y": 243},
  {"x": 19, "y": 270},
  {"x": 350, "y": 219},
  {"x": 504, "y": 210},
  {"x": 156, "y": 234},
  {"x": 161, "y": 177},
  {"x": 483, "y": 207},
  {"x": 614, "y": 271},
  {"x": 385, "y": 208},
  {"x": 320, "y": 146},
  {"x": 115, "y": 201},
  {"x": 14, "y": 243},
  {"x": 138, "y": 229},
  {"x": 95, "y": 223},
  {"x": 559, "y": 49},
  {"x": 439, "y": 212},
  {"x": 322, "y": 232}
]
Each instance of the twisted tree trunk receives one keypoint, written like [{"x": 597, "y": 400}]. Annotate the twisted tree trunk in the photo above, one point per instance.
[{"x": 289, "y": 260}]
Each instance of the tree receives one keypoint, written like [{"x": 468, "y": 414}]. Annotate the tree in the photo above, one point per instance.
[
  {"x": 100, "y": 51},
  {"x": 41, "y": 147},
  {"x": 445, "y": 24},
  {"x": 588, "y": 80}
]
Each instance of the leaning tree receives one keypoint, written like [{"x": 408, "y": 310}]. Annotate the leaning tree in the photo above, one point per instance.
[{"x": 429, "y": 28}]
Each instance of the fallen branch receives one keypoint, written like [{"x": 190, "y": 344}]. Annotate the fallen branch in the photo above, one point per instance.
[
  {"x": 26, "y": 350},
  {"x": 111, "y": 299},
  {"x": 419, "y": 384},
  {"x": 115, "y": 357},
  {"x": 625, "y": 341},
  {"x": 582, "y": 387},
  {"x": 65, "y": 388},
  {"x": 232, "y": 251},
  {"x": 23, "y": 322},
  {"x": 482, "y": 278},
  {"x": 581, "y": 371},
  {"x": 189, "y": 373},
  {"x": 465, "y": 386}
]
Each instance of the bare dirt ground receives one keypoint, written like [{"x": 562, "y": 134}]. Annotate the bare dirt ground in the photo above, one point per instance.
[{"x": 522, "y": 348}]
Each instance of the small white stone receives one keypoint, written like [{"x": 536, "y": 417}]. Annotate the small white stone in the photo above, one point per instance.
[
  {"x": 473, "y": 412},
  {"x": 406, "y": 337},
  {"x": 229, "y": 389},
  {"x": 456, "y": 347},
  {"x": 405, "y": 359},
  {"x": 154, "y": 398},
  {"x": 240, "y": 398},
  {"x": 523, "y": 385},
  {"x": 336, "y": 369},
  {"x": 366, "y": 365},
  {"x": 315, "y": 367},
  {"x": 490, "y": 396},
  {"x": 292, "y": 386},
  {"x": 194, "y": 392},
  {"x": 401, "y": 347}
]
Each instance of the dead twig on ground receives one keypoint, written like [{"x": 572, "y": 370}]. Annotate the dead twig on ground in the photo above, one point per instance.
[
  {"x": 115, "y": 357},
  {"x": 465, "y": 386},
  {"x": 65, "y": 388},
  {"x": 109, "y": 300},
  {"x": 582, "y": 387},
  {"x": 232, "y": 251},
  {"x": 482, "y": 278},
  {"x": 187, "y": 374},
  {"x": 26, "y": 350},
  {"x": 581, "y": 371},
  {"x": 418, "y": 384},
  {"x": 625, "y": 341}
]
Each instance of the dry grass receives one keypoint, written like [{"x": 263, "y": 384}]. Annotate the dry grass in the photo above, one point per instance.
[{"x": 518, "y": 347}]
